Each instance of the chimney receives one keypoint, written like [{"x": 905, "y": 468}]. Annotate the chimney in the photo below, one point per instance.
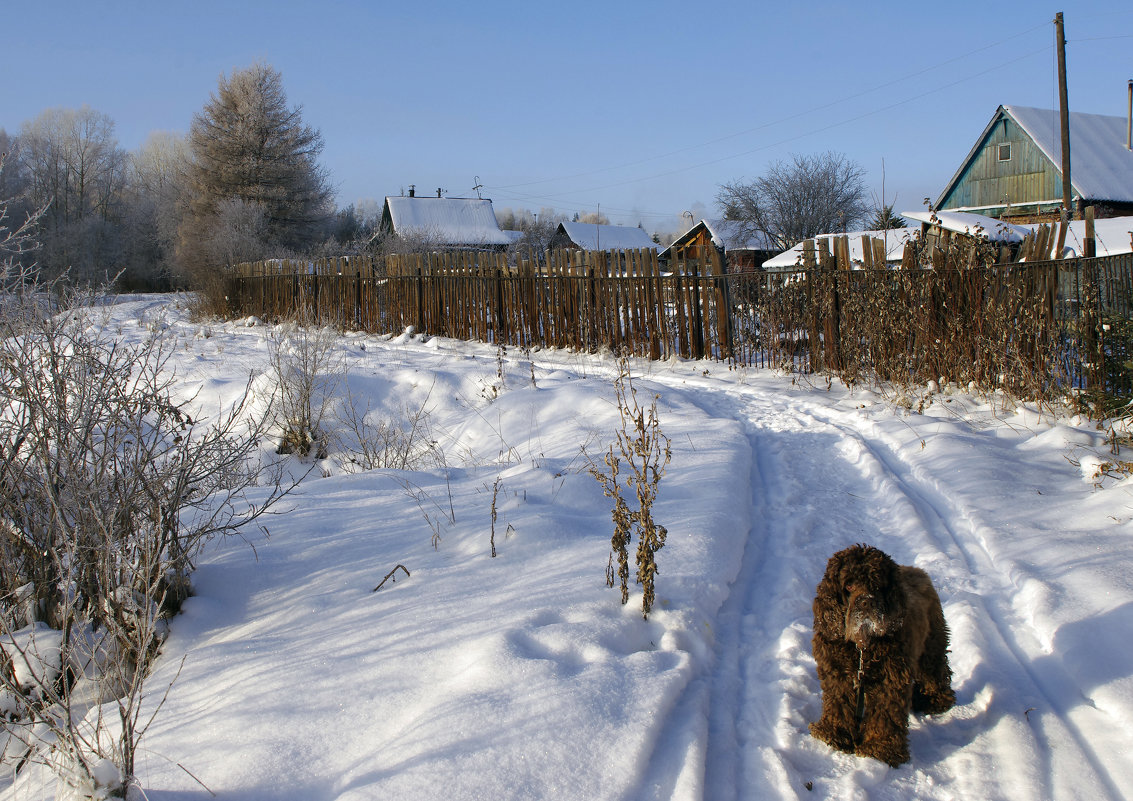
[{"x": 412, "y": 187}]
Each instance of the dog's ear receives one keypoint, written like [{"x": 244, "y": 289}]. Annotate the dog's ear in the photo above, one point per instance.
[
  {"x": 829, "y": 600},
  {"x": 885, "y": 583}
]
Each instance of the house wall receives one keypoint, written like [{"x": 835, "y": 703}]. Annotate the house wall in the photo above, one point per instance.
[{"x": 991, "y": 185}]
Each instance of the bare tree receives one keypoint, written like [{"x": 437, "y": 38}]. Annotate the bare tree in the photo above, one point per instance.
[
  {"x": 17, "y": 238},
  {"x": 809, "y": 196}
]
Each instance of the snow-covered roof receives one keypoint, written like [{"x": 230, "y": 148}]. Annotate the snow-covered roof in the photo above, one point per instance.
[
  {"x": 726, "y": 234},
  {"x": 894, "y": 239},
  {"x": 1113, "y": 236},
  {"x": 446, "y": 220},
  {"x": 590, "y": 236},
  {"x": 1101, "y": 166},
  {"x": 965, "y": 222}
]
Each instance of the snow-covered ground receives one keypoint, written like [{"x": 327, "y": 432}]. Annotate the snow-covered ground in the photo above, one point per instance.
[{"x": 523, "y": 677}]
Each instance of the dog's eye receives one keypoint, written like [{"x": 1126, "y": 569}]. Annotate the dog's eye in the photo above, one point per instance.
[{"x": 850, "y": 588}]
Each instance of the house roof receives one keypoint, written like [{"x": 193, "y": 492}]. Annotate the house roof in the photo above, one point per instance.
[
  {"x": 894, "y": 238},
  {"x": 590, "y": 236},
  {"x": 965, "y": 222},
  {"x": 446, "y": 220},
  {"x": 725, "y": 235},
  {"x": 1101, "y": 167}
]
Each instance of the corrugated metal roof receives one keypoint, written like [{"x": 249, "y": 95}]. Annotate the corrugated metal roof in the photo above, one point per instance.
[
  {"x": 1101, "y": 167},
  {"x": 467, "y": 222}
]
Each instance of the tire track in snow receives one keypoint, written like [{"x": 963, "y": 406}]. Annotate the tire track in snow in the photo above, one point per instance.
[
  {"x": 937, "y": 510},
  {"x": 818, "y": 484}
]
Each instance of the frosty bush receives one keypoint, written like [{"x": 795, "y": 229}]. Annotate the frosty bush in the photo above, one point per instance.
[
  {"x": 306, "y": 372},
  {"x": 109, "y": 486}
]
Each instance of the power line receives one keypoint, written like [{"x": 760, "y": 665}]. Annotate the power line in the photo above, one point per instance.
[
  {"x": 777, "y": 122},
  {"x": 561, "y": 198}
]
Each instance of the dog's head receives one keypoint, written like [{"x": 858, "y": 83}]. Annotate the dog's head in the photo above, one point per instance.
[{"x": 860, "y": 596}]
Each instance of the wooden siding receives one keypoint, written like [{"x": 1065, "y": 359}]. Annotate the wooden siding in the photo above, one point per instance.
[{"x": 987, "y": 182}]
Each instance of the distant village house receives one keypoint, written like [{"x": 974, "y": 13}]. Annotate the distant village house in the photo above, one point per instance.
[
  {"x": 737, "y": 252},
  {"x": 589, "y": 236},
  {"x": 444, "y": 222}
]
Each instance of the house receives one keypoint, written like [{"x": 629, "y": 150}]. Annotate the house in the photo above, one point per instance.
[
  {"x": 894, "y": 240},
  {"x": 740, "y": 253},
  {"x": 1015, "y": 167},
  {"x": 444, "y": 222},
  {"x": 588, "y": 236}
]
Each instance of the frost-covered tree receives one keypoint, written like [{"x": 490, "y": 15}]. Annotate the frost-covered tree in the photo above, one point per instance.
[
  {"x": 74, "y": 167},
  {"x": 252, "y": 153}
]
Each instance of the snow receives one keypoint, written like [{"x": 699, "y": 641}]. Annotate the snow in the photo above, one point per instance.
[
  {"x": 523, "y": 677},
  {"x": 444, "y": 220},
  {"x": 1113, "y": 235},
  {"x": 894, "y": 239},
  {"x": 591, "y": 236},
  {"x": 966, "y": 222}
]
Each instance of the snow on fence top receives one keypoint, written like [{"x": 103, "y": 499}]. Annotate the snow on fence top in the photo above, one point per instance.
[{"x": 894, "y": 239}]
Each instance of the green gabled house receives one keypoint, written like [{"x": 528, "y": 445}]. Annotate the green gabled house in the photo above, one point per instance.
[{"x": 1014, "y": 169}]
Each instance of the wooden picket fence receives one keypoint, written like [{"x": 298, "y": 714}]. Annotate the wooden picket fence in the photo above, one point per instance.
[
  {"x": 586, "y": 300},
  {"x": 1036, "y": 329}
]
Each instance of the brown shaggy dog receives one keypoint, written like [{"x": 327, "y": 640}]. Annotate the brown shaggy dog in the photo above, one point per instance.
[{"x": 881, "y": 645}]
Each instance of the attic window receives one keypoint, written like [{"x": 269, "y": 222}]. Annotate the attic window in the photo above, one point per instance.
[{"x": 1005, "y": 152}]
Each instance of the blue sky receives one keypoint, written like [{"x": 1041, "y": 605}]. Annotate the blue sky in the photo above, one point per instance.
[{"x": 639, "y": 109}]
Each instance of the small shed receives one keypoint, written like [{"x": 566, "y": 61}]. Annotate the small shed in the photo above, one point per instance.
[
  {"x": 449, "y": 222},
  {"x": 740, "y": 253},
  {"x": 1015, "y": 168},
  {"x": 589, "y": 236}
]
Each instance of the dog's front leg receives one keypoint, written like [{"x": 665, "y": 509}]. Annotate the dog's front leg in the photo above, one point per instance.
[
  {"x": 837, "y": 665},
  {"x": 887, "y": 682}
]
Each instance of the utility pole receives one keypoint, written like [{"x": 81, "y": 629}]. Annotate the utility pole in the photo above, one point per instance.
[{"x": 1064, "y": 115}]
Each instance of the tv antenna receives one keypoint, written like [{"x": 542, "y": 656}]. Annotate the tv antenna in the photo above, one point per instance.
[{"x": 478, "y": 186}]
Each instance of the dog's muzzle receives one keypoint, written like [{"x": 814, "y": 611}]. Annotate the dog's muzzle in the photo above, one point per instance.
[{"x": 864, "y": 618}]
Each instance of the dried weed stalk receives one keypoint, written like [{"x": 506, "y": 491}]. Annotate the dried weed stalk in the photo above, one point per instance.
[{"x": 644, "y": 452}]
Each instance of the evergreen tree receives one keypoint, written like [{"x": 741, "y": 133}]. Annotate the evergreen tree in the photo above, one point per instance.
[
  {"x": 253, "y": 177},
  {"x": 884, "y": 219}
]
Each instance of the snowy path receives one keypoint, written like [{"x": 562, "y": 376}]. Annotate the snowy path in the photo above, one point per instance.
[
  {"x": 522, "y": 677},
  {"x": 818, "y": 480}
]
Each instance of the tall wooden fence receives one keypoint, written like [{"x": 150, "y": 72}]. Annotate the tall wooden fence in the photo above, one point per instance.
[{"x": 1035, "y": 329}]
